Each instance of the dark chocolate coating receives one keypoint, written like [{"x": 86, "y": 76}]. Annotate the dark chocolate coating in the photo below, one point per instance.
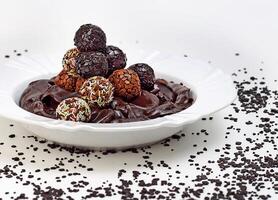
[
  {"x": 43, "y": 96},
  {"x": 146, "y": 75},
  {"x": 90, "y": 64},
  {"x": 116, "y": 58},
  {"x": 90, "y": 38}
]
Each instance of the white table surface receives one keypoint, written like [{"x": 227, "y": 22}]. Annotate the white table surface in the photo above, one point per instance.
[{"x": 213, "y": 31}]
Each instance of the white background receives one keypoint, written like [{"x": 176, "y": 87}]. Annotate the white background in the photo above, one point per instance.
[{"x": 207, "y": 30}]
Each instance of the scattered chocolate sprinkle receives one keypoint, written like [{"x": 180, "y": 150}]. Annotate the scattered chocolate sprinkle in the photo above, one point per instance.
[{"x": 242, "y": 166}]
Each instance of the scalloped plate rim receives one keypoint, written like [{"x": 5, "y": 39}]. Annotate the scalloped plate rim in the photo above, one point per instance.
[{"x": 177, "y": 120}]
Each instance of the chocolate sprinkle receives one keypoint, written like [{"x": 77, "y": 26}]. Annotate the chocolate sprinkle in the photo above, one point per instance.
[{"x": 241, "y": 163}]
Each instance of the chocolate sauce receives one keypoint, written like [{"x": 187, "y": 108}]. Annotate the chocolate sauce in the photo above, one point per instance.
[{"x": 42, "y": 97}]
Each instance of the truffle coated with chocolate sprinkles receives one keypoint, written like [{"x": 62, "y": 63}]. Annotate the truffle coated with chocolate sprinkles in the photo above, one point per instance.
[
  {"x": 90, "y": 64},
  {"x": 90, "y": 38},
  {"x": 239, "y": 163},
  {"x": 116, "y": 58},
  {"x": 146, "y": 75}
]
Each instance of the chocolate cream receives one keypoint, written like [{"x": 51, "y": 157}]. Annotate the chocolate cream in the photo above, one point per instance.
[{"x": 42, "y": 97}]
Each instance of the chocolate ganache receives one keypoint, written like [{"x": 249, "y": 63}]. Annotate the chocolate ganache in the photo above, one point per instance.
[{"x": 42, "y": 97}]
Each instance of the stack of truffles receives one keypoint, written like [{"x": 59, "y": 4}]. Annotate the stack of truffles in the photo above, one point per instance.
[
  {"x": 96, "y": 72},
  {"x": 94, "y": 86}
]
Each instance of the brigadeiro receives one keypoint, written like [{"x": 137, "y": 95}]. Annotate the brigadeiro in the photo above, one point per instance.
[
  {"x": 79, "y": 83},
  {"x": 116, "y": 58},
  {"x": 90, "y": 38},
  {"x": 126, "y": 83},
  {"x": 66, "y": 80},
  {"x": 90, "y": 64},
  {"x": 146, "y": 75},
  {"x": 74, "y": 109},
  {"x": 69, "y": 63},
  {"x": 97, "y": 90}
]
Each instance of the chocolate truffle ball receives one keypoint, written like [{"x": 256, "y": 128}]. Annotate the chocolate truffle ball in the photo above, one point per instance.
[
  {"x": 74, "y": 109},
  {"x": 97, "y": 90},
  {"x": 146, "y": 75},
  {"x": 79, "y": 83},
  {"x": 69, "y": 63},
  {"x": 66, "y": 80},
  {"x": 90, "y": 64},
  {"x": 116, "y": 58},
  {"x": 90, "y": 38},
  {"x": 126, "y": 83}
]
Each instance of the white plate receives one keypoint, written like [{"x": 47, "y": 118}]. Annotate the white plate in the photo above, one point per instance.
[{"x": 212, "y": 90}]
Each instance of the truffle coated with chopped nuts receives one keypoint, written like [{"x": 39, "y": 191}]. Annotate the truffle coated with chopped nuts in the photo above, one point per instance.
[
  {"x": 90, "y": 38},
  {"x": 66, "y": 80},
  {"x": 74, "y": 109},
  {"x": 97, "y": 90},
  {"x": 90, "y": 64},
  {"x": 79, "y": 83},
  {"x": 69, "y": 63},
  {"x": 146, "y": 75},
  {"x": 126, "y": 83},
  {"x": 116, "y": 58}
]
